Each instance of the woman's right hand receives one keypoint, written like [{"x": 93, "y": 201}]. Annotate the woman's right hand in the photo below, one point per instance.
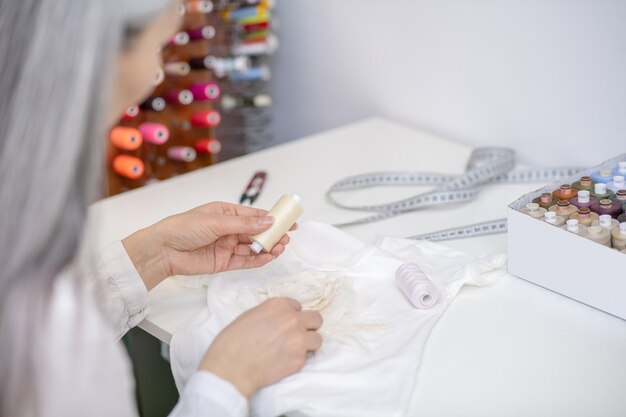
[{"x": 264, "y": 345}]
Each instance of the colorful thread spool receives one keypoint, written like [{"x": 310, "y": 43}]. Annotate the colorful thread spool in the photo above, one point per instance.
[
  {"x": 131, "y": 113},
  {"x": 180, "y": 39},
  {"x": 128, "y": 166},
  {"x": 182, "y": 153},
  {"x": 205, "y": 91},
  {"x": 179, "y": 97},
  {"x": 126, "y": 138},
  {"x": 201, "y": 33},
  {"x": 209, "y": 118},
  {"x": 208, "y": 146},
  {"x": 199, "y": 6},
  {"x": 154, "y": 133},
  {"x": 156, "y": 104},
  {"x": 177, "y": 69}
]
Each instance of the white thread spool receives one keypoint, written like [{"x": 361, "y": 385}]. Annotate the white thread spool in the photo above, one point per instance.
[
  {"x": 417, "y": 286},
  {"x": 285, "y": 213}
]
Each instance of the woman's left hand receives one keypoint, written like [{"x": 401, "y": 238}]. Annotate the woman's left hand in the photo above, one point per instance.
[{"x": 208, "y": 239}]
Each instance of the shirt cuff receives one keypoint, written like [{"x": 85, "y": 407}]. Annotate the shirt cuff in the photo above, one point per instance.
[
  {"x": 125, "y": 276},
  {"x": 218, "y": 391}
]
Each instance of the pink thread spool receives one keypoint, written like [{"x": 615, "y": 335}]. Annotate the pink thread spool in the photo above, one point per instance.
[
  {"x": 209, "y": 118},
  {"x": 205, "y": 91},
  {"x": 417, "y": 286},
  {"x": 154, "y": 133},
  {"x": 182, "y": 153}
]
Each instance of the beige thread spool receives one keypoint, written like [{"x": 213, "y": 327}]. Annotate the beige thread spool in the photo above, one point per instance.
[{"x": 285, "y": 213}]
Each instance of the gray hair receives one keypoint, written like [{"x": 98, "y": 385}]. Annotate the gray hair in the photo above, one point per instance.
[{"x": 58, "y": 66}]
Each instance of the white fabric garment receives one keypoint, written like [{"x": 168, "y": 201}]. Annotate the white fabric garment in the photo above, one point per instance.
[
  {"x": 84, "y": 370},
  {"x": 374, "y": 340}
]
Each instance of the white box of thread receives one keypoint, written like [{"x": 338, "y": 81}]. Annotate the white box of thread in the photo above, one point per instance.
[{"x": 574, "y": 259}]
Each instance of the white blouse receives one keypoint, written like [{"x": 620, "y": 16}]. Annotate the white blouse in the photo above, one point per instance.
[{"x": 85, "y": 371}]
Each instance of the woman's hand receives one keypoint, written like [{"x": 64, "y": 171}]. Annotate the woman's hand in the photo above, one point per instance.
[
  {"x": 208, "y": 239},
  {"x": 264, "y": 345}
]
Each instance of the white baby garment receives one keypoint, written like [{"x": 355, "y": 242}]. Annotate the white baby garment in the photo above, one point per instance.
[{"x": 373, "y": 337}]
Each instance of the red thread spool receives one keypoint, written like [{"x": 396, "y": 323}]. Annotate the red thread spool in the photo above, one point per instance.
[
  {"x": 154, "y": 133},
  {"x": 251, "y": 27},
  {"x": 201, "y": 33},
  {"x": 126, "y": 138},
  {"x": 208, "y": 146},
  {"x": 179, "y": 97},
  {"x": 205, "y": 91},
  {"x": 209, "y": 118},
  {"x": 199, "y": 6},
  {"x": 180, "y": 39},
  {"x": 131, "y": 113},
  {"x": 128, "y": 166}
]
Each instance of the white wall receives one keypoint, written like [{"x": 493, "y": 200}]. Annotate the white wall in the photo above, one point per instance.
[{"x": 547, "y": 77}]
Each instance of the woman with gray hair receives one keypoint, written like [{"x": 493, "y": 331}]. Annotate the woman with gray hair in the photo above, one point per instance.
[{"x": 69, "y": 68}]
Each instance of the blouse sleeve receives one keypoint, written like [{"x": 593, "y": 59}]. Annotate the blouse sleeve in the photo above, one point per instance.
[{"x": 126, "y": 296}]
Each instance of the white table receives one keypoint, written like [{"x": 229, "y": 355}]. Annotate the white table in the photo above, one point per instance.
[{"x": 510, "y": 350}]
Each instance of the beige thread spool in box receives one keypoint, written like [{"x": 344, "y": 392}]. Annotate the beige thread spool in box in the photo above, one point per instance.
[
  {"x": 534, "y": 247},
  {"x": 285, "y": 213}
]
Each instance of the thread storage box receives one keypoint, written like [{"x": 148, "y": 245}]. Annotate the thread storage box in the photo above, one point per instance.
[{"x": 564, "y": 262}]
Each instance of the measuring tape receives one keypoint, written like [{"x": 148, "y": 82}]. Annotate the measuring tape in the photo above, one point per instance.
[{"x": 485, "y": 166}]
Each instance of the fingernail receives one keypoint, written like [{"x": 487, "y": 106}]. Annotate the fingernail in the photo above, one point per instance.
[{"x": 265, "y": 221}]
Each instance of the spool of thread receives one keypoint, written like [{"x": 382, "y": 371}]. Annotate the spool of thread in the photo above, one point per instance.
[
  {"x": 201, "y": 33},
  {"x": 261, "y": 73},
  {"x": 572, "y": 226},
  {"x": 177, "y": 69},
  {"x": 564, "y": 208},
  {"x": 156, "y": 104},
  {"x": 621, "y": 218},
  {"x": 604, "y": 175},
  {"x": 251, "y": 27},
  {"x": 584, "y": 216},
  {"x": 618, "y": 183},
  {"x": 199, "y": 6},
  {"x": 128, "y": 166},
  {"x": 131, "y": 113},
  {"x": 620, "y": 169},
  {"x": 285, "y": 213},
  {"x": 606, "y": 206},
  {"x": 585, "y": 183},
  {"x": 417, "y": 286},
  {"x": 200, "y": 62},
  {"x": 533, "y": 210},
  {"x": 154, "y": 133},
  {"x": 618, "y": 236},
  {"x": 583, "y": 199},
  {"x": 205, "y": 91},
  {"x": 606, "y": 221},
  {"x": 619, "y": 196},
  {"x": 180, "y": 39},
  {"x": 261, "y": 48},
  {"x": 126, "y": 138},
  {"x": 599, "y": 235},
  {"x": 179, "y": 97},
  {"x": 208, "y": 118},
  {"x": 230, "y": 103},
  {"x": 565, "y": 192},
  {"x": 550, "y": 217},
  {"x": 546, "y": 200},
  {"x": 244, "y": 12},
  {"x": 182, "y": 153},
  {"x": 600, "y": 191},
  {"x": 208, "y": 146}
]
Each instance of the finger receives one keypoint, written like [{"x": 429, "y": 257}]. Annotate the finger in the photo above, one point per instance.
[
  {"x": 312, "y": 320},
  {"x": 223, "y": 225},
  {"x": 243, "y": 249},
  {"x": 294, "y": 304},
  {"x": 294, "y": 227},
  {"x": 249, "y": 261},
  {"x": 230, "y": 209},
  {"x": 277, "y": 250},
  {"x": 284, "y": 240},
  {"x": 313, "y": 340}
]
